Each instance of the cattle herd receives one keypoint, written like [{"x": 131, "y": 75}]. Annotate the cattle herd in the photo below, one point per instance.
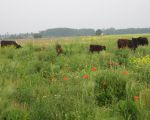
[
  {"x": 122, "y": 43},
  {"x": 132, "y": 44}
]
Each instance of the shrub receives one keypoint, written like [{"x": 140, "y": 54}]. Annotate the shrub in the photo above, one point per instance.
[
  {"x": 110, "y": 87},
  {"x": 122, "y": 56}
]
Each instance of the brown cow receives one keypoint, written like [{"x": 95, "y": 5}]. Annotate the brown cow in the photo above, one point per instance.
[
  {"x": 123, "y": 43},
  {"x": 59, "y": 49},
  {"x": 10, "y": 43},
  {"x": 96, "y": 48}
]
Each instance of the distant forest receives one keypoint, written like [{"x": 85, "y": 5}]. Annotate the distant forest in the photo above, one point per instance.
[
  {"x": 59, "y": 32},
  {"x": 64, "y": 32},
  {"x": 126, "y": 31}
]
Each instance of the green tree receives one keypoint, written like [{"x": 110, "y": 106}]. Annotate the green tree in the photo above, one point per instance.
[
  {"x": 37, "y": 35},
  {"x": 98, "y": 32}
]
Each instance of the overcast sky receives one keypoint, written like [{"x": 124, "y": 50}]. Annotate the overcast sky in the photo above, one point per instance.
[{"x": 18, "y": 16}]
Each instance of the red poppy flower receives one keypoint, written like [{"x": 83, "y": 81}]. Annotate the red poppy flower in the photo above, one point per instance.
[
  {"x": 125, "y": 72},
  {"x": 86, "y": 77},
  {"x": 136, "y": 98},
  {"x": 94, "y": 69},
  {"x": 66, "y": 78}
]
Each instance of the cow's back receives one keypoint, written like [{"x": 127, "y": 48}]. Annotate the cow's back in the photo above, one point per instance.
[
  {"x": 122, "y": 43},
  {"x": 96, "y": 48},
  {"x": 140, "y": 41},
  {"x": 9, "y": 43}
]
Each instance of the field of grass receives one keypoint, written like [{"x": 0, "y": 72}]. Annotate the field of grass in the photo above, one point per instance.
[{"x": 36, "y": 84}]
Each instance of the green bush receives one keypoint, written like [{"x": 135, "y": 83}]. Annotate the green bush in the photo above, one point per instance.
[
  {"x": 110, "y": 87},
  {"x": 122, "y": 56}
]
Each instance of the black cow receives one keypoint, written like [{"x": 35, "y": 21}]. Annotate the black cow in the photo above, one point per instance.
[
  {"x": 96, "y": 48},
  {"x": 140, "y": 41},
  {"x": 123, "y": 43},
  {"x": 9, "y": 43},
  {"x": 59, "y": 49}
]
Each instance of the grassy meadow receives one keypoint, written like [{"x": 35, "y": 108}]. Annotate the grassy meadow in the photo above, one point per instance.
[{"x": 36, "y": 84}]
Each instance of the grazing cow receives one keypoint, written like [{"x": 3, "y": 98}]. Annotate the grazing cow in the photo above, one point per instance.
[
  {"x": 140, "y": 41},
  {"x": 96, "y": 48},
  {"x": 123, "y": 43},
  {"x": 59, "y": 49},
  {"x": 9, "y": 43}
]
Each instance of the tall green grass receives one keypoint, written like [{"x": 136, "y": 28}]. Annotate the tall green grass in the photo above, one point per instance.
[{"x": 36, "y": 84}]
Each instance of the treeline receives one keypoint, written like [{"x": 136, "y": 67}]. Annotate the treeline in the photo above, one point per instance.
[
  {"x": 64, "y": 32},
  {"x": 126, "y": 31},
  {"x": 17, "y": 36},
  {"x": 60, "y": 32}
]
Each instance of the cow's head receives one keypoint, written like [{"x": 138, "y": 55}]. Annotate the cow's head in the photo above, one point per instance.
[
  {"x": 18, "y": 46},
  {"x": 104, "y": 47}
]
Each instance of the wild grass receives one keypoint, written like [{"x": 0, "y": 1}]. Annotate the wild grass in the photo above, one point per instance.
[{"x": 36, "y": 84}]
